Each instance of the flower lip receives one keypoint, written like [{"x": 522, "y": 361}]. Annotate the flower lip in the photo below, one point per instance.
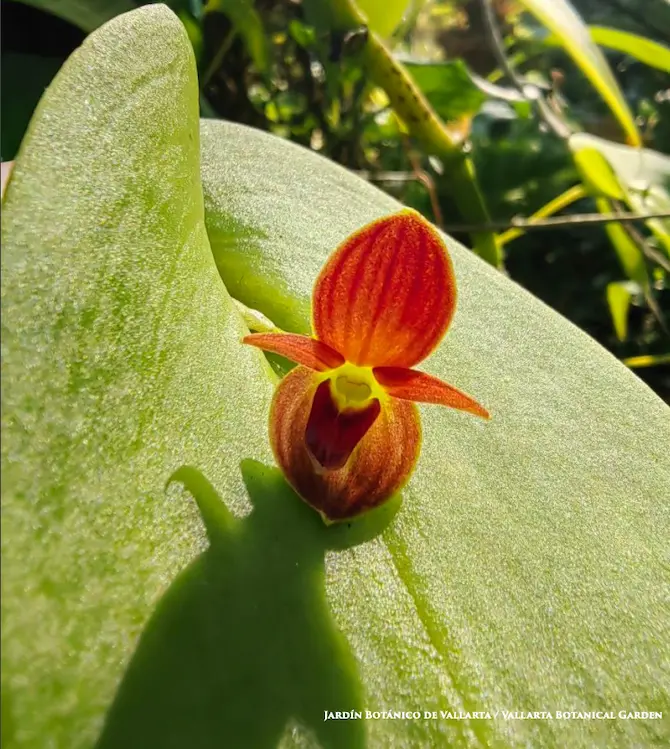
[
  {"x": 333, "y": 433},
  {"x": 377, "y": 468}
]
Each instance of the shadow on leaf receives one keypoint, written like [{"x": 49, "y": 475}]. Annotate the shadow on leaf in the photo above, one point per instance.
[{"x": 242, "y": 645}]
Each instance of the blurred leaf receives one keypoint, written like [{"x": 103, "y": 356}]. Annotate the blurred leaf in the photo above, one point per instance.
[
  {"x": 498, "y": 92},
  {"x": 383, "y": 16},
  {"x": 645, "y": 50},
  {"x": 598, "y": 175},
  {"x": 644, "y": 176},
  {"x": 87, "y": 14},
  {"x": 24, "y": 78},
  {"x": 640, "y": 362},
  {"x": 630, "y": 255},
  {"x": 302, "y": 33},
  {"x": 194, "y": 31},
  {"x": 206, "y": 109},
  {"x": 447, "y": 86},
  {"x": 562, "y": 19},
  {"x": 619, "y": 297},
  {"x": 319, "y": 15},
  {"x": 654, "y": 199},
  {"x": 248, "y": 23},
  {"x": 496, "y": 112}
]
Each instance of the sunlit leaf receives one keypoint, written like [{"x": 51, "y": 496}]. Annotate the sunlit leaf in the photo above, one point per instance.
[
  {"x": 619, "y": 297},
  {"x": 516, "y": 496},
  {"x": 516, "y": 572},
  {"x": 560, "y": 17},
  {"x": 598, "y": 175},
  {"x": 383, "y": 16},
  {"x": 629, "y": 253},
  {"x": 642, "y": 362},
  {"x": 603, "y": 183},
  {"x": 643, "y": 175},
  {"x": 121, "y": 362},
  {"x": 645, "y": 50},
  {"x": 447, "y": 86}
]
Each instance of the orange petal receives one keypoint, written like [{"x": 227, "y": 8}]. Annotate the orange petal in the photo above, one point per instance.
[
  {"x": 298, "y": 348},
  {"x": 378, "y": 466},
  {"x": 331, "y": 435},
  {"x": 411, "y": 385},
  {"x": 387, "y": 295}
]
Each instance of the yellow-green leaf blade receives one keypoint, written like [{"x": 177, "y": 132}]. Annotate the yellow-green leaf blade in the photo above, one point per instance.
[
  {"x": 562, "y": 19},
  {"x": 645, "y": 50},
  {"x": 383, "y": 16},
  {"x": 643, "y": 177},
  {"x": 619, "y": 298},
  {"x": 118, "y": 339}
]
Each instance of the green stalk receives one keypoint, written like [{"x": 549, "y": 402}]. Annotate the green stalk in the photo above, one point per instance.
[{"x": 426, "y": 126}]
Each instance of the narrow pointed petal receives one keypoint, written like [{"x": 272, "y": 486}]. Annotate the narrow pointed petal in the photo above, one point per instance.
[
  {"x": 332, "y": 435},
  {"x": 298, "y": 348},
  {"x": 408, "y": 384},
  {"x": 387, "y": 295},
  {"x": 378, "y": 466}
]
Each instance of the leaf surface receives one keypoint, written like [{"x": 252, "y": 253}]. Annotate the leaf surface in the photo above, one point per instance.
[
  {"x": 121, "y": 362},
  {"x": 523, "y": 569}
]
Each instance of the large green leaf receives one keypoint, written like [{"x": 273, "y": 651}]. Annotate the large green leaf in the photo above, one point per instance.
[
  {"x": 522, "y": 572},
  {"x": 121, "y": 362},
  {"x": 561, "y": 18},
  {"x": 518, "y": 558},
  {"x": 518, "y": 562}
]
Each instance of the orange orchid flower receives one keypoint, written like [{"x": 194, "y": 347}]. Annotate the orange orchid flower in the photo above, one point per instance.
[{"x": 343, "y": 426}]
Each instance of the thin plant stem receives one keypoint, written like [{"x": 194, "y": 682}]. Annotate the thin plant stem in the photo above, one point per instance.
[
  {"x": 554, "y": 206},
  {"x": 215, "y": 64}
]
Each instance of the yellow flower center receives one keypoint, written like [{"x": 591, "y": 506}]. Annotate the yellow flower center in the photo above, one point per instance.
[{"x": 353, "y": 387}]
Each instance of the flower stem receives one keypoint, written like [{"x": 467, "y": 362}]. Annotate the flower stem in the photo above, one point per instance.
[{"x": 425, "y": 125}]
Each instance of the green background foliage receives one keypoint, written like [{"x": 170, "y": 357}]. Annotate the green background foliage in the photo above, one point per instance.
[{"x": 522, "y": 568}]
